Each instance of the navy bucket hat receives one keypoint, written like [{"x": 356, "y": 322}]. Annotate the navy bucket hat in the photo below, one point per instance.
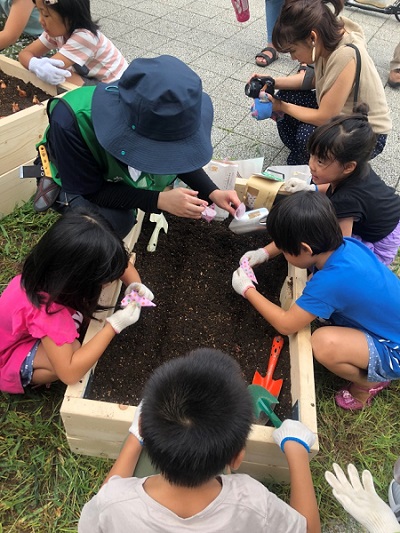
[{"x": 156, "y": 118}]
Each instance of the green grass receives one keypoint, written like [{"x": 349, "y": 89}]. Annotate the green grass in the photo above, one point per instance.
[{"x": 43, "y": 485}]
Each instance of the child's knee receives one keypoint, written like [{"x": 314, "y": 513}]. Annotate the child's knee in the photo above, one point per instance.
[{"x": 322, "y": 343}]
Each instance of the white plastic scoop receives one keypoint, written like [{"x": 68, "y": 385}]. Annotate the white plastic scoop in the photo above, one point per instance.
[{"x": 254, "y": 220}]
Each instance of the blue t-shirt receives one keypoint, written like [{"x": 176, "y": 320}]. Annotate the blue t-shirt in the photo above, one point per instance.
[{"x": 355, "y": 290}]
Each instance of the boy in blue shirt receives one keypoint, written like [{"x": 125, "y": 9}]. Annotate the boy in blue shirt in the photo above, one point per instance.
[{"x": 349, "y": 286}]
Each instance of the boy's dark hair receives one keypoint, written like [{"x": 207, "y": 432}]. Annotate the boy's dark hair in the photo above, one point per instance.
[
  {"x": 299, "y": 17},
  {"x": 75, "y": 14},
  {"x": 307, "y": 217},
  {"x": 196, "y": 416},
  {"x": 73, "y": 260},
  {"x": 345, "y": 138}
]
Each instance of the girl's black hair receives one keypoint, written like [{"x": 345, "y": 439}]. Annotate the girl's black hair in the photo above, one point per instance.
[
  {"x": 72, "y": 261},
  {"x": 345, "y": 138},
  {"x": 299, "y": 17},
  {"x": 304, "y": 217},
  {"x": 75, "y": 14}
]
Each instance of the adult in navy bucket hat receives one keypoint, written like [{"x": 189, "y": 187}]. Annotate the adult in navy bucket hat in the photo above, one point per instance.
[{"x": 116, "y": 147}]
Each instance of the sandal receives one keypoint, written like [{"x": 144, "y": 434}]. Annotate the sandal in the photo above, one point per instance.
[
  {"x": 346, "y": 400},
  {"x": 268, "y": 59}
]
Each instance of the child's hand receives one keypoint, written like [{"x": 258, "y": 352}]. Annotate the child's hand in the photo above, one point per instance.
[
  {"x": 241, "y": 283},
  {"x": 141, "y": 289},
  {"x": 361, "y": 501},
  {"x": 294, "y": 430},
  {"x": 52, "y": 71},
  {"x": 134, "y": 428},
  {"x": 296, "y": 185},
  {"x": 256, "y": 257},
  {"x": 125, "y": 317}
]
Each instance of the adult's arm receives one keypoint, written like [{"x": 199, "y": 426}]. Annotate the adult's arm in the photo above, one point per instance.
[
  {"x": 20, "y": 12},
  {"x": 331, "y": 103}
]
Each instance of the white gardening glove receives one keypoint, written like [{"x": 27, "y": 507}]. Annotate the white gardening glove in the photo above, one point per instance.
[
  {"x": 256, "y": 257},
  {"x": 296, "y": 185},
  {"x": 241, "y": 283},
  {"x": 141, "y": 289},
  {"x": 125, "y": 317},
  {"x": 294, "y": 430},
  {"x": 134, "y": 429},
  {"x": 52, "y": 71},
  {"x": 361, "y": 501}
]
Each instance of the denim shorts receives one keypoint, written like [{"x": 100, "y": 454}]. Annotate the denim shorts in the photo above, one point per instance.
[
  {"x": 376, "y": 370},
  {"x": 26, "y": 371}
]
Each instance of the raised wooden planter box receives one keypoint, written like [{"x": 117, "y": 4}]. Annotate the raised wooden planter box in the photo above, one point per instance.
[
  {"x": 99, "y": 428},
  {"x": 19, "y": 134}
]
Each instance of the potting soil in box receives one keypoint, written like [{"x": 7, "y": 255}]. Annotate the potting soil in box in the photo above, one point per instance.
[
  {"x": 190, "y": 275},
  {"x": 16, "y": 95}
]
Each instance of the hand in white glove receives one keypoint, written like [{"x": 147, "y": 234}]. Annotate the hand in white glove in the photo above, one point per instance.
[
  {"x": 241, "y": 283},
  {"x": 125, "y": 317},
  {"x": 293, "y": 430},
  {"x": 361, "y": 501},
  {"x": 296, "y": 185},
  {"x": 141, "y": 289},
  {"x": 134, "y": 429},
  {"x": 256, "y": 257},
  {"x": 52, "y": 71}
]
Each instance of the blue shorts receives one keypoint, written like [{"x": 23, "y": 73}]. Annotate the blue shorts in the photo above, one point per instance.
[
  {"x": 26, "y": 371},
  {"x": 378, "y": 352}
]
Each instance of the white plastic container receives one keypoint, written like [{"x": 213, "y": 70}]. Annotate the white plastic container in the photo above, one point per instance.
[{"x": 255, "y": 220}]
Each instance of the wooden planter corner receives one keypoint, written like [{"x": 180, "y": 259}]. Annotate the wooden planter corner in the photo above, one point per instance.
[
  {"x": 99, "y": 428},
  {"x": 19, "y": 134}
]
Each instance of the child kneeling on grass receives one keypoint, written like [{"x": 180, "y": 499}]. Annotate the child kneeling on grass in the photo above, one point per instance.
[
  {"x": 349, "y": 286},
  {"x": 42, "y": 310},
  {"x": 195, "y": 418}
]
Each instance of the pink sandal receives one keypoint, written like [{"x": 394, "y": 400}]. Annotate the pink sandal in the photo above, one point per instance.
[{"x": 346, "y": 400}]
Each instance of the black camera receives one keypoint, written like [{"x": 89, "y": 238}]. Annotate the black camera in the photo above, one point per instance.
[{"x": 257, "y": 83}]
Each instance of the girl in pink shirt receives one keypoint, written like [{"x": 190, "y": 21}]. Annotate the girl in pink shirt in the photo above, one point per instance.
[
  {"x": 84, "y": 57},
  {"x": 41, "y": 310}
]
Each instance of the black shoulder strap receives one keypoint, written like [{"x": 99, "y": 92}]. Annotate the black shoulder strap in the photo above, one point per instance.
[{"x": 358, "y": 70}]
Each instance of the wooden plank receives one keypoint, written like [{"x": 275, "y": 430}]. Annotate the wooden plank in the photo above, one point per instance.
[
  {"x": 19, "y": 134},
  {"x": 14, "y": 191}
]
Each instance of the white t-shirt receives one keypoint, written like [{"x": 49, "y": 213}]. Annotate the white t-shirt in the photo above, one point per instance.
[
  {"x": 243, "y": 505},
  {"x": 101, "y": 57}
]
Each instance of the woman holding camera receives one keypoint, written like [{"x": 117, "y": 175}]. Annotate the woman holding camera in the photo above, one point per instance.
[{"x": 314, "y": 33}]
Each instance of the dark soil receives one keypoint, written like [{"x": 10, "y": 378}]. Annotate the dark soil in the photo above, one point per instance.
[
  {"x": 190, "y": 276},
  {"x": 16, "y": 95}
]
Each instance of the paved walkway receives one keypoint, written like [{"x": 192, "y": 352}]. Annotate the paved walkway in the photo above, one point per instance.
[{"x": 205, "y": 34}]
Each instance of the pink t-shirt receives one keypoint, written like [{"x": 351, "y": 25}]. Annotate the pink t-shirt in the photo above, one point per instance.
[
  {"x": 103, "y": 59},
  {"x": 21, "y": 325}
]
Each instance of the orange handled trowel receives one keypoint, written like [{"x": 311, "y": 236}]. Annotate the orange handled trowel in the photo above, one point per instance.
[{"x": 273, "y": 386}]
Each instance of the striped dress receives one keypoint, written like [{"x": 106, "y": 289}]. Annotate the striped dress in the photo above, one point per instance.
[{"x": 97, "y": 53}]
